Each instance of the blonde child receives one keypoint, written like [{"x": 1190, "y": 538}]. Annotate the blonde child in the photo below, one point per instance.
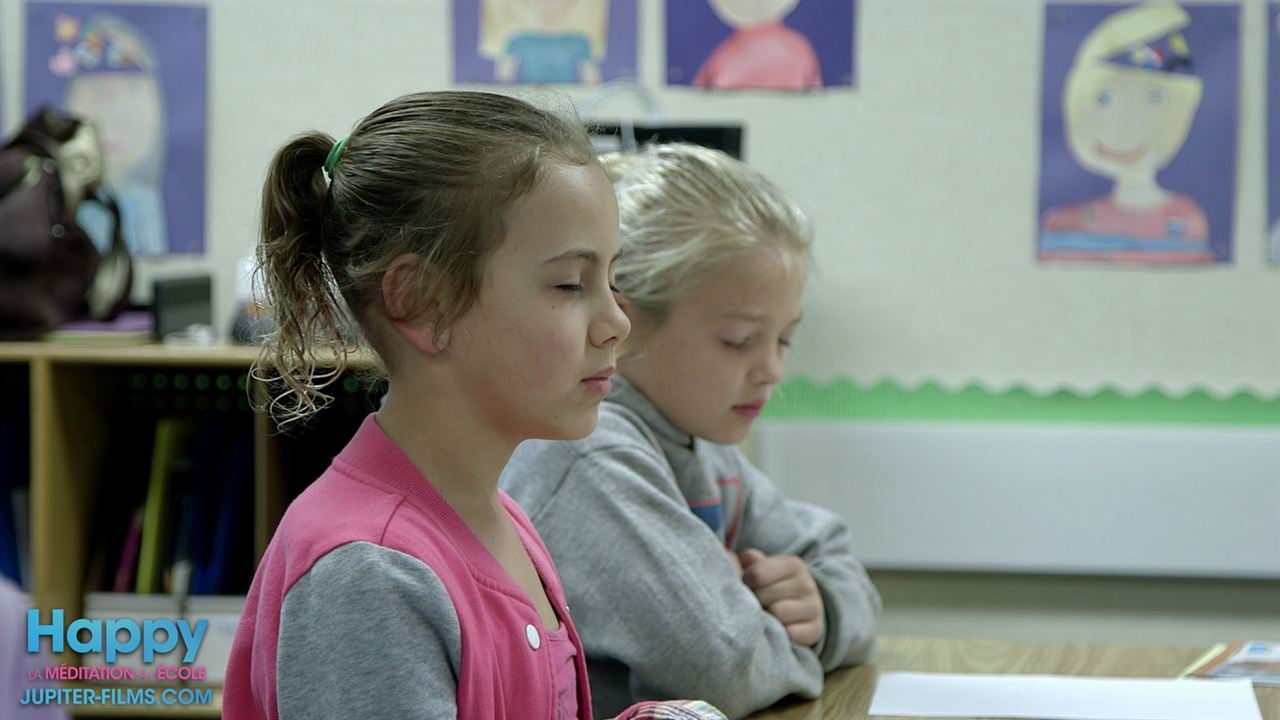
[
  {"x": 689, "y": 573},
  {"x": 469, "y": 238}
]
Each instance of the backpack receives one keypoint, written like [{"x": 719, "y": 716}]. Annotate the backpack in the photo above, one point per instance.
[{"x": 50, "y": 270}]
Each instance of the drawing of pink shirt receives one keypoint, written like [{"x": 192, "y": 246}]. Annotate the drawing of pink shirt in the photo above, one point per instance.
[
  {"x": 1179, "y": 217},
  {"x": 1175, "y": 232},
  {"x": 769, "y": 55}
]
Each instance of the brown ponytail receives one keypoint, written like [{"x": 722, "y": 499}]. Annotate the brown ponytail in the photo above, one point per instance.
[{"x": 309, "y": 315}]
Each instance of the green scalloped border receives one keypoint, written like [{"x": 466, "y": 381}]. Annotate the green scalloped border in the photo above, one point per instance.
[{"x": 803, "y": 399}]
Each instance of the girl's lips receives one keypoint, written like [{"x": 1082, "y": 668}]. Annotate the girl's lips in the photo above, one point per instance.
[
  {"x": 602, "y": 374},
  {"x": 749, "y": 411},
  {"x": 599, "y": 383}
]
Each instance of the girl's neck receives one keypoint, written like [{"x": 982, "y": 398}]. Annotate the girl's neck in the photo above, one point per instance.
[
  {"x": 454, "y": 450},
  {"x": 1139, "y": 191}
]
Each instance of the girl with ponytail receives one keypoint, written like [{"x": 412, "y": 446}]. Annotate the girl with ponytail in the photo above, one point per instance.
[{"x": 468, "y": 240}]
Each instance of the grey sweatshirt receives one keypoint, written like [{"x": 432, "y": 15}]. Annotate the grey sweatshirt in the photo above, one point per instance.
[{"x": 638, "y": 517}]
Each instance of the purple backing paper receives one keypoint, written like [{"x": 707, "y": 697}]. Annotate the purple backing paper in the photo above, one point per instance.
[
  {"x": 1205, "y": 169},
  {"x": 469, "y": 67},
  {"x": 694, "y": 31},
  {"x": 178, "y": 36}
]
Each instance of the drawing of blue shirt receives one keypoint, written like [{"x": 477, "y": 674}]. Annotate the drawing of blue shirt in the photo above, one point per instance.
[{"x": 549, "y": 58}]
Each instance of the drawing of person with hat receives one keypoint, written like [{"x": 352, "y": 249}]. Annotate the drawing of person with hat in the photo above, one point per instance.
[{"x": 1128, "y": 103}]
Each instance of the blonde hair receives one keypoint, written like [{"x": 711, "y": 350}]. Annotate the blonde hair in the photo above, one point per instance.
[
  {"x": 685, "y": 210},
  {"x": 1092, "y": 69},
  {"x": 428, "y": 174}
]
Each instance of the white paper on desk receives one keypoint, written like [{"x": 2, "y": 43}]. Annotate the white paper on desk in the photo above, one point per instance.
[{"x": 1063, "y": 698}]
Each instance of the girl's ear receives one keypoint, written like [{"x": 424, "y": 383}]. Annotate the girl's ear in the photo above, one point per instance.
[{"x": 411, "y": 319}]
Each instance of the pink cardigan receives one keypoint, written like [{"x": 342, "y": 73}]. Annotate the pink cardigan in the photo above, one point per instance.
[{"x": 373, "y": 494}]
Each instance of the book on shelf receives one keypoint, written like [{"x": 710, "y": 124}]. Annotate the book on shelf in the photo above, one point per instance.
[
  {"x": 229, "y": 552},
  {"x": 13, "y": 513},
  {"x": 175, "y": 564},
  {"x": 178, "y": 564},
  {"x": 10, "y": 565},
  {"x": 127, "y": 569},
  {"x": 168, "y": 459},
  {"x": 173, "y": 508},
  {"x": 119, "y": 492},
  {"x": 129, "y": 328},
  {"x": 192, "y": 541},
  {"x": 1256, "y": 660},
  {"x": 22, "y": 530}
]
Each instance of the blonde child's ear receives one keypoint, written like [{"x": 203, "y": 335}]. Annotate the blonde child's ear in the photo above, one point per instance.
[{"x": 409, "y": 317}]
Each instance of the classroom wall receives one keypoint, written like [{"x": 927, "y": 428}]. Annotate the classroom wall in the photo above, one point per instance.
[{"x": 922, "y": 181}]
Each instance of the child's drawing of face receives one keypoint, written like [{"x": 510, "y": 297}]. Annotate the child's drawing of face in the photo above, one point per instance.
[
  {"x": 127, "y": 109},
  {"x": 745, "y": 13},
  {"x": 1124, "y": 122}
]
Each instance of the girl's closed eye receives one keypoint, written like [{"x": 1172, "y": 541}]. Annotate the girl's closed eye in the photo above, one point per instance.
[
  {"x": 579, "y": 286},
  {"x": 735, "y": 343}
]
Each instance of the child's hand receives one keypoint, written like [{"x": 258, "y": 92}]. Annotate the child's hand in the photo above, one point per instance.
[
  {"x": 787, "y": 591},
  {"x": 737, "y": 564}
]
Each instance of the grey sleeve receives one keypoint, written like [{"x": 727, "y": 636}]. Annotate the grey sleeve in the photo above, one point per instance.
[
  {"x": 652, "y": 588},
  {"x": 779, "y": 526},
  {"x": 368, "y": 632}
]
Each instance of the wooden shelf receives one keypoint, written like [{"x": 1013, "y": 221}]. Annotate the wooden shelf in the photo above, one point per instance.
[
  {"x": 153, "y": 354},
  {"x": 79, "y": 396}
]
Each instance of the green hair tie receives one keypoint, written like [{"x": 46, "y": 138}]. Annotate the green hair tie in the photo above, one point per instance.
[{"x": 335, "y": 154}]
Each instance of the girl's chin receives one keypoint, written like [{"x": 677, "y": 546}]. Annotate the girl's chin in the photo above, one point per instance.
[
  {"x": 567, "y": 431},
  {"x": 731, "y": 436}
]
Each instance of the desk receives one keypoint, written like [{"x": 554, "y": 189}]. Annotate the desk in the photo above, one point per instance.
[{"x": 848, "y": 691}]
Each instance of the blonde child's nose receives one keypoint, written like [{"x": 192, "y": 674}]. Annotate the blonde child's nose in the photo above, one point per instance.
[{"x": 769, "y": 370}]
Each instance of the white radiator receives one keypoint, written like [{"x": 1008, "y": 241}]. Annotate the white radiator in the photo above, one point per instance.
[{"x": 1131, "y": 500}]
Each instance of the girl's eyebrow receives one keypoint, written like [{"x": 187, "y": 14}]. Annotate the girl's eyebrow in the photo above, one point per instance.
[
  {"x": 754, "y": 315},
  {"x": 590, "y": 256}
]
